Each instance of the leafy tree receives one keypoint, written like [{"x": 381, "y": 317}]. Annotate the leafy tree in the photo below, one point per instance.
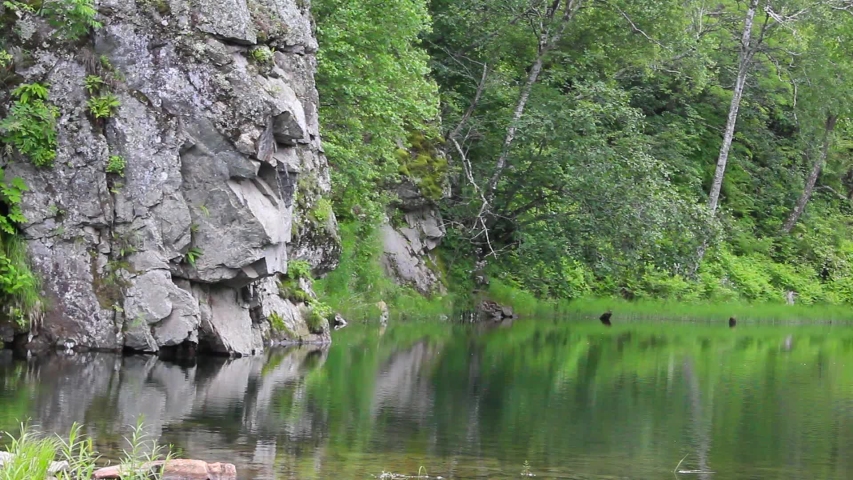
[{"x": 375, "y": 89}]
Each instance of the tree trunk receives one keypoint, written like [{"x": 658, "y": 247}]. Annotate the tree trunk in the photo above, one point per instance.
[
  {"x": 546, "y": 42},
  {"x": 747, "y": 51},
  {"x": 810, "y": 182}
]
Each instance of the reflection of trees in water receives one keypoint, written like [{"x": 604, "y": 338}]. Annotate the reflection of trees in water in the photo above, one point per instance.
[
  {"x": 603, "y": 402},
  {"x": 700, "y": 422}
]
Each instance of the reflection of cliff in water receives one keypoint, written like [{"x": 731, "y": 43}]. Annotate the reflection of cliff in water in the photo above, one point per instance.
[
  {"x": 403, "y": 384},
  {"x": 217, "y": 409}
]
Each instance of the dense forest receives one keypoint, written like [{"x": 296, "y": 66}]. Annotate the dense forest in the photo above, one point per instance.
[{"x": 687, "y": 150}]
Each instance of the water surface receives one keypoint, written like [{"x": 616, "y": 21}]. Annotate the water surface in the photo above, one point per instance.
[{"x": 573, "y": 399}]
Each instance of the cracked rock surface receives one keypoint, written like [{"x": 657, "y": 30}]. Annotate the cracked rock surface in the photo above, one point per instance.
[{"x": 186, "y": 245}]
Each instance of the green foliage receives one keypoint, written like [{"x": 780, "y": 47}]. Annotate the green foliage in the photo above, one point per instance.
[
  {"x": 193, "y": 255},
  {"x": 19, "y": 7},
  {"x": 360, "y": 282},
  {"x": 93, "y": 84},
  {"x": 33, "y": 452},
  {"x": 79, "y": 452},
  {"x": 73, "y": 19},
  {"x": 374, "y": 78},
  {"x": 262, "y": 54},
  {"x": 32, "y": 455},
  {"x": 19, "y": 287},
  {"x": 124, "y": 244},
  {"x": 289, "y": 286},
  {"x": 425, "y": 166},
  {"x": 289, "y": 289},
  {"x": 11, "y": 195},
  {"x": 319, "y": 315},
  {"x": 297, "y": 269},
  {"x": 142, "y": 448},
  {"x": 525, "y": 470},
  {"x": 103, "y": 105},
  {"x": 116, "y": 164},
  {"x": 30, "y": 126},
  {"x": 605, "y": 178},
  {"x": 277, "y": 322},
  {"x": 322, "y": 211}
]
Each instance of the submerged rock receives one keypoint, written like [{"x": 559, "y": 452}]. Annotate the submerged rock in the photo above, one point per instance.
[{"x": 176, "y": 470}]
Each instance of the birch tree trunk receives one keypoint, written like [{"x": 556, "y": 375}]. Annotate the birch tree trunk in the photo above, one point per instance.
[
  {"x": 547, "y": 41},
  {"x": 747, "y": 51},
  {"x": 812, "y": 179}
]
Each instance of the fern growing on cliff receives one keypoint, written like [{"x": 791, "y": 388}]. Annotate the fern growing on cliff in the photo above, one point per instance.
[
  {"x": 30, "y": 127},
  {"x": 73, "y": 19},
  {"x": 19, "y": 299}
]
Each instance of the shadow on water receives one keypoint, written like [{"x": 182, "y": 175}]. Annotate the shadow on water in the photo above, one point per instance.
[{"x": 575, "y": 400}]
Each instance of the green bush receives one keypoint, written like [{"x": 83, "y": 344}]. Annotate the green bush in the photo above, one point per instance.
[
  {"x": 319, "y": 315},
  {"x": 289, "y": 289},
  {"x": 322, "y": 211},
  {"x": 93, "y": 84},
  {"x": 73, "y": 19},
  {"x": 277, "y": 322},
  {"x": 19, "y": 287},
  {"x": 103, "y": 106},
  {"x": 262, "y": 54},
  {"x": 30, "y": 127},
  {"x": 116, "y": 164},
  {"x": 298, "y": 269},
  {"x": 359, "y": 281},
  {"x": 424, "y": 166},
  {"x": 192, "y": 255}
]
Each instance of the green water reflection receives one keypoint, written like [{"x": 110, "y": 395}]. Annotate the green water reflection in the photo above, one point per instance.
[{"x": 574, "y": 399}]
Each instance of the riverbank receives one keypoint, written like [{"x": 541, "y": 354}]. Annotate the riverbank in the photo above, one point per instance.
[
  {"x": 408, "y": 307},
  {"x": 32, "y": 454},
  {"x": 527, "y": 305}
]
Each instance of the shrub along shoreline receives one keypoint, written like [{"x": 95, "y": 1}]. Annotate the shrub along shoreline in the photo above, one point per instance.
[{"x": 31, "y": 454}]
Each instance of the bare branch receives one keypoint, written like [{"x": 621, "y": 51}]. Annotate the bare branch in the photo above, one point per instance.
[
  {"x": 635, "y": 28},
  {"x": 470, "y": 111}
]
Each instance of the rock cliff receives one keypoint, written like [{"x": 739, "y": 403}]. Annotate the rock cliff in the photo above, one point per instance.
[
  {"x": 221, "y": 176},
  {"x": 409, "y": 243}
]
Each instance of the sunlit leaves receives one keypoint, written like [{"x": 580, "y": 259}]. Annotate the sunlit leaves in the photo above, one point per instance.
[{"x": 375, "y": 88}]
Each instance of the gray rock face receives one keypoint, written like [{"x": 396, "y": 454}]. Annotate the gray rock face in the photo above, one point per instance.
[
  {"x": 407, "y": 250},
  {"x": 184, "y": 245}
]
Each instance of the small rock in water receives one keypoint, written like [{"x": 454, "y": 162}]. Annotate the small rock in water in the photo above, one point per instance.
[
  {"x": 339, "y": 321},
  {"x": 178, "y": 470},
  {"x": 383, "y": 313}
]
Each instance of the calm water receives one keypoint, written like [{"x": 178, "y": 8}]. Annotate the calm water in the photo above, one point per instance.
[{"x": 573, "y": 399}]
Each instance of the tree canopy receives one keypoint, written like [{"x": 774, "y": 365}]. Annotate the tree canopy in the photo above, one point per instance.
[{"x": 643, "y": 148}]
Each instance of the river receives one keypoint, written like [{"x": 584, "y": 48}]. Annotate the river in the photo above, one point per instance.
[{"x": 570, "y": 399}]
